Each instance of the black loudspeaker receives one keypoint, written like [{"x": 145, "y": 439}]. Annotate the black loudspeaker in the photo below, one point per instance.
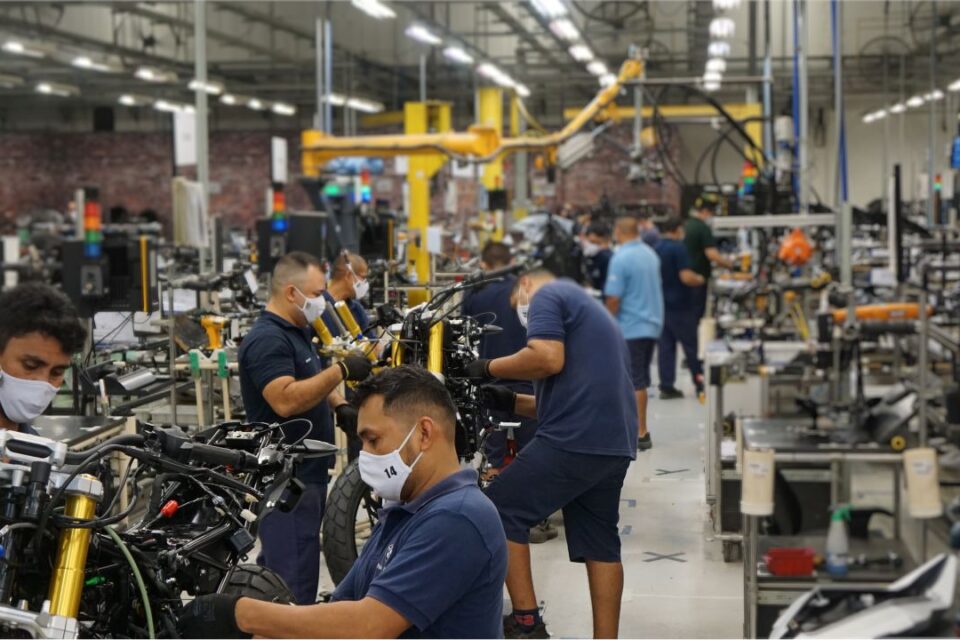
[{"x": 103, "y": 119}]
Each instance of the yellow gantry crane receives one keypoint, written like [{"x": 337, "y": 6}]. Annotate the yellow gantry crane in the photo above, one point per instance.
[{"x": 428, "y": 142}]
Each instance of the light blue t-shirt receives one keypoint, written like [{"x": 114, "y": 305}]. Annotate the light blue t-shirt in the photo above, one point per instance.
[{"x": 634, "y": 277}]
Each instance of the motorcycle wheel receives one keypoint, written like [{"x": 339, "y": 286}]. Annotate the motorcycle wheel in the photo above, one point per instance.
[
  {"x": 260, "y": 583},
  {"x": 348, "y": 521}
]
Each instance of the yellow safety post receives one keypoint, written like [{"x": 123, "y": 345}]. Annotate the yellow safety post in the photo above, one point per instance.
[
  {"x": 519, "y": 208},
  {"x": 490, "y": 112},
  {"x": 422, "y": 118}
]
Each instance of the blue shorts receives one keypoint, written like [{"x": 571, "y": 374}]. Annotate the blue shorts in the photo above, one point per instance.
[
  {"x": 585, "y": 486},
  {"x": 641, "y": 355}
]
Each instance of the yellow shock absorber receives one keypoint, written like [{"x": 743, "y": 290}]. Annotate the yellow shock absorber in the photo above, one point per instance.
[
  {"x": 321, "y": 328},
  {"x": 214, "y": 328},
  {"x": 346, "y": 317},
  {"x": 435, "y": 349},
  {"x": 66, "y": 586}
]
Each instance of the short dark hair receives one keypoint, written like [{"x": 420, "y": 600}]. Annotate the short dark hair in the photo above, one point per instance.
[
  {"x": 290, "y": 265},
  {"x": 599, "y": 229},
  {"x": 410, "y": 388},
  {"x": 495, "y": 254},
  {"x": 670, "y": 224},
  {"x": 37, "y": 307},
  {"x": 339, "y": 268}
]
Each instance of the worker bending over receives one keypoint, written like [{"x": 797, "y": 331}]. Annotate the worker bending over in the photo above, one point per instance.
[
  {"x": 281, "y": 378},
  {"x": 634, "y": 296},
  {"x": 680, "y": 317},
  {"x": 39, "y": 333},
  {"x": 586, "y": 438},
  {"x": 435, "y": 563}
]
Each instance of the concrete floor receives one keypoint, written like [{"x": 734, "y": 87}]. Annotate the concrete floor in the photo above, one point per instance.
[{"x": 691, "y": 593}]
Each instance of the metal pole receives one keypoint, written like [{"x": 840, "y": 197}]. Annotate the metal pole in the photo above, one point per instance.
[
  {"x": 844, "y": 223},
  {"x": 922, "y": 364},
  {"x": 328, "y": 71},
  {"x": 319, "y": 122},
  {"x": 802, "y": 90},
  {"x": 931, "y": 117},
  {"x": 768, "y": 142},
  {"x": 423, "y": 77},
  {"x": 200, "y": 95}
]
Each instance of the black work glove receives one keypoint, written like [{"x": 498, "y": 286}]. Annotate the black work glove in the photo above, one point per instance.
[
  {"x": 211, "y": 616},
  {"x": 355, "y": 368},
  {"x": 498, "y": 398},
  {"x": 347, "y": 418},
  {"x": 478, "y": 369}
]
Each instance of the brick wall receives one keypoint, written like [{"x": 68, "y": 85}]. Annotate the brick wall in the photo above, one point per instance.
[{"x": 42, "y": 170}]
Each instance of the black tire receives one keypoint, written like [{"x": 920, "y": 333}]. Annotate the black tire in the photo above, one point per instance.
[
  {"x": 349, "y": 504},
  {"x": 260, "y": 583}
]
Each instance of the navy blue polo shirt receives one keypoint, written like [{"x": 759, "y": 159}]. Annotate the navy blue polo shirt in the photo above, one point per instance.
[
  {"x": 674, "y": 258},
  {"x": 439, "y": 561},
  {"x": 589, "y": 407},
  {"x": 597, "y": 267},
  {"x": 275, "y": 348},
  {"x": 491, "y": 305}
]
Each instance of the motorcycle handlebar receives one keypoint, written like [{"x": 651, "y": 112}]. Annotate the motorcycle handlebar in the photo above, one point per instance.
[
  {"x": 129, "y": 440},
  {"x": 220, "y": 456}
]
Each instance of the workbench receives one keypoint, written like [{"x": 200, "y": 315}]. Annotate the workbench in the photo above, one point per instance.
[{"x": 832, "y": 449}]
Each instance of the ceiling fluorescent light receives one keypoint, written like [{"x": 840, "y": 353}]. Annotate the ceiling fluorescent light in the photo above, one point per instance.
[
  {"x": 718, "y": 49},
  {"x": 607, "y": 79},
  {"x": 581, "y": 53},
  {"x": 212, "y": 87},
  {"x": 172, "y": 107},
  {"x": 19, "y": 48},
  {"x": 880, "y": 115},
  {"x": 711, "y": 86},
  {"x": 84, "y": 62},
  {"x": 726, "y": 5},
  {"x": 722, "y": 28},
  {"x": 522, "y": 91},
  {"x": 867, "y": 119},
  {"x": 712, "y": 76},
  {"x": 283, "y": 109},
  {"x": 914, "y": 102},
  {"x": 898, "y": 108},
  {"x": 335, "y": 99},
  {"x": 494, "y": 73},
  {"x": 152, "y": 74},
  {"x": 597, "y": 68},
  {"x": 228, "y": 99},
  {"x": 133, "y": 100},
  {"x": 255, "y": 104},
  {"x": 954, "y": 86},
  {"x": 457, "y": 54},
  {"x": 933, "y": 96},
  {"x": 717, "y": 64},
  {"x": 57, "y": 89},
  {"x": 422, "y": 34},
  {"x": 374, "y": 8},
  {"x": 367, "y": 106},
  {"x": 8, "y": 81},
  {"x": 549, "y": 9},
  {"x": 565, "y": 29}
]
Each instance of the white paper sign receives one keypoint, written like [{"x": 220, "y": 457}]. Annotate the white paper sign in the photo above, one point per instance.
[
  {"x": 251, "y": 281},
  {"x": 435, "y": 239},
  {"x": 185, "y": 138},
  {"x": 278, "y": 160}
]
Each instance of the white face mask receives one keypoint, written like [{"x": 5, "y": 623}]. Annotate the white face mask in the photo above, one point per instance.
[
  {"x": 387, "y": 474},
  {"x": 23, "y": 401},
  {"x": 360, "y": 289},
  {"x": 312, "y": 308},
  {"x": 523, "y": 311}
]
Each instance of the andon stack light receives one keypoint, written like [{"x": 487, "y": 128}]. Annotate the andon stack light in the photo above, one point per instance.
[
  {"x": 92, "y": 225},
  {"x": 278, "y": 215},
  {"x": 366, "y": 194},
  {"x": 748, "y": 179}
]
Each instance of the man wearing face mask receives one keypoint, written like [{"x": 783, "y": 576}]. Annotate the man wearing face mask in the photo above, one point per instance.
[
  {"x": 435, "y": 564},
  {"x": 597, "y": 251},
  {"x": 586, "y": 437},
  {"x": 39, "y": 333},
  {"x": 281, "y": 378},
  {"x": 348, "y": 281}
]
